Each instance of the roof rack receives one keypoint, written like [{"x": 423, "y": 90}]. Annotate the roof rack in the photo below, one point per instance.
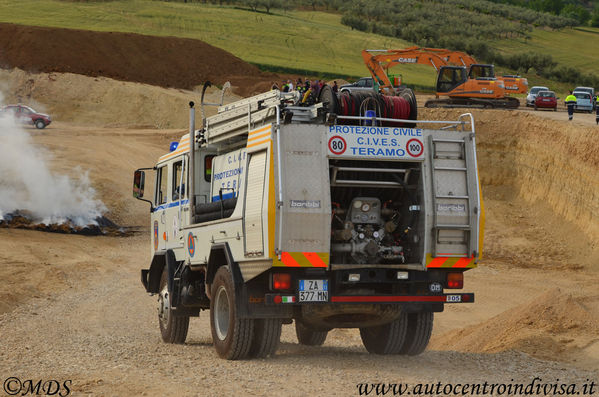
[{"x": 234, "y": 120}]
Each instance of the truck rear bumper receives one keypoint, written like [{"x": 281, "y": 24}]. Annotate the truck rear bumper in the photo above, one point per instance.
[{"x": 274, "y": 299}]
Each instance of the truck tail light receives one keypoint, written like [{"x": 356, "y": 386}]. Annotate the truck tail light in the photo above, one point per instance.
[
  {"x": 455, "y": 280},
  {"x": 281, "y": 281}
]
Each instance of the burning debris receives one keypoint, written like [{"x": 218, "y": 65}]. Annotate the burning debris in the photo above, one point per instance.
[
  {"x": 102, "y": 226},
  {"x": 34, "y": 197}
]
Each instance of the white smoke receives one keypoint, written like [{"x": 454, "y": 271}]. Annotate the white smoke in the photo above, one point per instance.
[{"x": 27, "y": 184}]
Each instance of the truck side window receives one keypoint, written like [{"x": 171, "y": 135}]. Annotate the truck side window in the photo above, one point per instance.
[
  {"x": 208, "y": 168},
  {"x": 177, "y": 188},
  {"x": 161, "y": 186}
]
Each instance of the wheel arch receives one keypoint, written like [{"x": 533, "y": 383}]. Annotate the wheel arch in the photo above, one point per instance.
[
  {"x": 220, "y": 255},
  {"x": 151, "y": 277}
]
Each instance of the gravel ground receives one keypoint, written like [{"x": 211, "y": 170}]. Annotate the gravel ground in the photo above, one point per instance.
[{"x": 102, "y": 334}]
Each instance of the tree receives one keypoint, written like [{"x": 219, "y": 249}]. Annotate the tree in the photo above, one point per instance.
[{"x": 268, "y": 4}]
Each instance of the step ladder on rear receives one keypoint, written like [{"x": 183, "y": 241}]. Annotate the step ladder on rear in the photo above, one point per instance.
[{"x": 455, "y": 197}]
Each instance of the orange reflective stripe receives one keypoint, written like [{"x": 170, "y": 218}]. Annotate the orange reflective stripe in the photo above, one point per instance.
[
  {"x": 288, "y": 260},
  {"x": 254, "y": 137},
  {"x": 463, "y": 262},
  {"x": 449, "y": 262},
  {"x": 436, "y": 262},
  {"x": 258, "y": 143},
  {"x": 302, "y": 259},
  {"x": 314, "y": 259}
]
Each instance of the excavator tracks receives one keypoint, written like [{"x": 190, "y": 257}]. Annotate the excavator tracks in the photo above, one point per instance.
[{"x": 502, "y": 103}]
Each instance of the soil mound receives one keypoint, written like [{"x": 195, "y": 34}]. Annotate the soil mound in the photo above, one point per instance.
[
  {"x": 553, "y": 325},
  {"x": 162, "y": 61}
]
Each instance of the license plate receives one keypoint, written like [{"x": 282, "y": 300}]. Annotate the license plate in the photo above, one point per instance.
[
  {"x": 313, "y": 291},
  {"x": 546, "y": 100},
  {"x": 453, "y": 298}
]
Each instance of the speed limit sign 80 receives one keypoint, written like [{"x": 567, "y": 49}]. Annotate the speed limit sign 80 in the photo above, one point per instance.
[{"x": 337, "y": 145}]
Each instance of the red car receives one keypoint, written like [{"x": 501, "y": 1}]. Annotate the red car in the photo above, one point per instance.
[
  {"x": 546, "y": 99},
  {"x": 26, "y": 115}
]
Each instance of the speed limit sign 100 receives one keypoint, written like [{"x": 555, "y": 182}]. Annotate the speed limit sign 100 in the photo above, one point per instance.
[
  {"x": 337, "y": 145},
  {"x": 414, "y": 147}
]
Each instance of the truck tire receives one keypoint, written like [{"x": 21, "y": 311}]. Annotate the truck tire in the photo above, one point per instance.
[
  {"x": 387, "y": 338},
  {"x": 231, "y": 335},
  {"x": 420, "y": 327},
  {"x": 267, "y": 334},
  {"x": 39, "y": 124},
  {"x": 308, "y": 336},
  {"x": 172, "y": 328}
]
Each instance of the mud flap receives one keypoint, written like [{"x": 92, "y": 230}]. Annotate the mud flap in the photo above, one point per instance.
[{"x": 150, "y": 278}]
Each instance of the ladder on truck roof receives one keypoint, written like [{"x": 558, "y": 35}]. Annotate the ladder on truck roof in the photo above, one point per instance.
[
  {"x": 455, "y": 198},
  {"x": 234, "y": 120}
]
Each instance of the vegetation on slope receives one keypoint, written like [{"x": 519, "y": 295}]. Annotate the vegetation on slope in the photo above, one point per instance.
[
  {"x": 288, "y": 36},
  {"x": 584, "y": 11},
  {"x": 470, "y": 26}
]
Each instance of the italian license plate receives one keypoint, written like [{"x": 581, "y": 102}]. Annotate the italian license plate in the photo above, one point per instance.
[{"x": 313, "y": 291}]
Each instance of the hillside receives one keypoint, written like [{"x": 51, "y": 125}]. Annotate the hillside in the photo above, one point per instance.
[
  {"x": 297, "y": 41},
  {"x": 304, "y": 42},
  {"x": 161, "y": 61}
]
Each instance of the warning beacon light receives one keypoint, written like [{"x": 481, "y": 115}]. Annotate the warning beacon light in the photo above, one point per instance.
[{"x": 174, "y": 146}]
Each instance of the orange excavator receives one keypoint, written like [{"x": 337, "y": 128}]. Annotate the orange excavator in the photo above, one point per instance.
[
  {"x": 513, "y": 84},
  {"x": 472, "y": 86}
]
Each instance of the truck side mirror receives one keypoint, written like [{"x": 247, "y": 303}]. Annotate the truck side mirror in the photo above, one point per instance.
[{"x": 139, "y": 180}]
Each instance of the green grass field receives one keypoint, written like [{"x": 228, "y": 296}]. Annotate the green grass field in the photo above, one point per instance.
[
  {"x": 578, "y": 47},
  {"x": 314, "y": 42}
]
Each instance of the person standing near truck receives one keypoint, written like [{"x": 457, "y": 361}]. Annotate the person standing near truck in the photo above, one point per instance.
[
  {"x": 570, "y": 102},
  {"x": 597, "y": 110}
]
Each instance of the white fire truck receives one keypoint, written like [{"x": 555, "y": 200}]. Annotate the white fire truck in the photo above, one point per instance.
[{"x": 277, "y": 212}]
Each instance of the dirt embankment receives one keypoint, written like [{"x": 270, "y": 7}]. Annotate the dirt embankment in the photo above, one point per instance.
[
  {"x": 161, "y": 61},
  {"x": 541, "y": 188},
  {"x": 101, "y": 101},
  {"x": 545, "y": 161}
]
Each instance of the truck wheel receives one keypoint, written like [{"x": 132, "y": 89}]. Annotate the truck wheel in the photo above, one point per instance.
[
  {"x": 267, "y": 334},
  {"x": 231, "y": 335},
  {"x": 386, "y": 338},
  {"x": 420, "y": 327},
  {"x": 172, "y": 328},
  {"x": 308, "y": 336},
  {"x": 39, "y": 124}
]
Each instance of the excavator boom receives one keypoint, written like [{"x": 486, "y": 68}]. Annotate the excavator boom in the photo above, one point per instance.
[
  {"x": 377, "y": 61},
  {"x": 467, "y": 84}
]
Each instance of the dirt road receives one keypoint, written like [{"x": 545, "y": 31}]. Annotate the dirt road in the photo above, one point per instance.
[
  {"x": 102, "y": 333},
  {"x": 74, "y": 308}
]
